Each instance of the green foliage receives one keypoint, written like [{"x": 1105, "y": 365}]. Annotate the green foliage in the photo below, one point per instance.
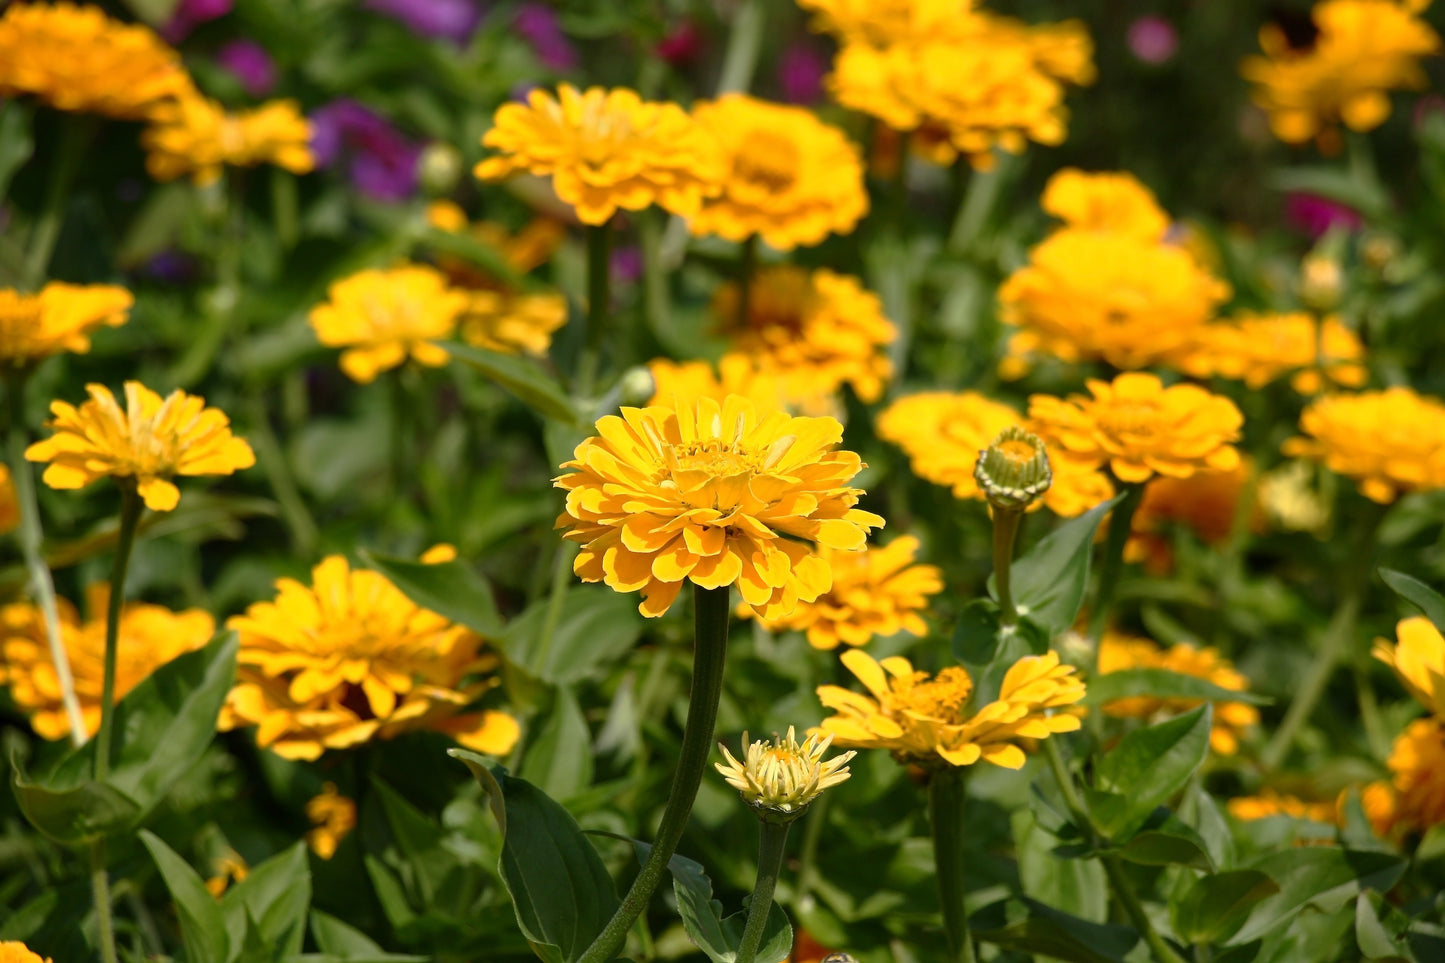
[
  {"x": 1418, "y": 594},
  {"x": 1050, "y": 579},
  {"x": 1147, "y": 767}
]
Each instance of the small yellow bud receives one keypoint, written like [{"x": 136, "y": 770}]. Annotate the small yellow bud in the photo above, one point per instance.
[
  {"x": 1321, "y": 282},
  {"x": 1013, "y": 472},
  {"x": 440, "y": 168}
]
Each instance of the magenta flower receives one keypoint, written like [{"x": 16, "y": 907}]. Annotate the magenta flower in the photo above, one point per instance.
[
  {"x": 800, "y": 73},
  {"x": 1153, "y": 39},
  {"x": 249, "y": 63},
  {"x": 1314, "y": 215},
  {"x": 453, "y": 20},
  {"x": 537, "y": 23},
  {"x": 381, "y": 162},
  {"x": 190, "y": 14}
]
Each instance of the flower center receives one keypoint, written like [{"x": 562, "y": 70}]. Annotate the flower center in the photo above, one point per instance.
[
  {"x": 943, "y": 697},
  {"x": 1129, "y": 420},
  {"x": 770, "y": 160},
  {"x": 714, "y": 456}
]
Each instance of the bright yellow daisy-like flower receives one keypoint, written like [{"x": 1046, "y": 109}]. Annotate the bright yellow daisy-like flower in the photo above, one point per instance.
[
  {"x": 714, "y": 494},
  {"x": 815, "y": 330},
  {"x": 150, "y": 636},
  {"x": 1413, "y": 801},
  {"x": 924, "y": 720},
  {"x": 1139, "y": 428},
  {"x": 14, "y": 952},
  {"x": 1363, "y": 50},
  {"x": 1118, "y": 652},
  {"x": 1418, "y": 658},
  {"x": 1272, "y": 803},
  {"x": 196, "y": 136},
  {"x": 333, "y": 817},
  {"x": 1260, "y": 348},
  {"x": 349, "y": 659},
  {"x": 734, "y": 374},
  {"x": 382, "y": 317},
  {"x": 877, "y": 592},
  {"x": 9, "y": 507},
  {"x": 1390, "y": 442},
  {"x": 1113, "y": 202},
  {"x": 76, "y": 58},
  {"x": 60, "y": 317},
  {"x": 604, "y": 150},
  {"x": 782, "y": 775},
  {"x": 148, "y": 442},
  {"x": 791, "y": 179}
]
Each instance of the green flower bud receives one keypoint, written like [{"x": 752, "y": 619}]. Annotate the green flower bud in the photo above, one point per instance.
[
  {"x": 1013, "y": 472},
  {"x": 440, "y": 168}
]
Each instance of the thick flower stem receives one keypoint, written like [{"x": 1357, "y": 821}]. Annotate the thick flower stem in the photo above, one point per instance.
[
  {"x": 772, "y": 841},
  {"x": 709, "y": 655},
  {"x": 1120, "y": 521},
  {"x": 1005, "y": 533},
  {"x": 945, "y": 810},
  {"x": 599, "y": 297},
  {"x": 131, "y": 507}
]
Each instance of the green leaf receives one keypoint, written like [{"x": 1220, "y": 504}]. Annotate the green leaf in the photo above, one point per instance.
[
  {"x": 76, "y": 815},
  {"x": 1358, "y": 189},
  {"x": 16, "y": 144},
  {"x": 1162, "y": 684},
  {"x": 1215, "y": 907},
  {"x": 421, "y": 857},
  {"x": 274, "y": 898},
  {"x": 1147, "y": 767},
  {"x": 1315, "y": 874},
  {"x": 453, "y": 589},
  {"x": 339, "y": 941},
  {"x": 562, "y": 892},
  {"x": 202, "y": 928},
  {"x": 1075, "y": 886},
  {"x": 595, "y": 625},
  {"x": 1418, "y": 594},
  {"x": 1031, "y": 927},
  {"x": 1381, "y": 941},
  {"x": 522, "y": 378},
  {"x": 558, "y": 759},
  {"x": 975, "y": 637},
  {"x": 1049, "y": 581},
  {"x": 716, "y": 935},
  {"x": 1172, "y": 844}
]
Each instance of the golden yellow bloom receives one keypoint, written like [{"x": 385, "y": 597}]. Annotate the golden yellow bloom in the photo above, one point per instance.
[
  {"x": 150, "y": 441},
  {"x": 1419, "y": 660},
  {"x": 1205, "y": 503},
  {"x": 525, "y": 250},
  {"x": 1414, "y": 799},
  {"x": 13, "y": 952},
  {"x": 923, "y": 719},
  {"x": 781, "y": 774},
  {"x": 1260, "y": 348},
  {"x": 942, "y": 432},
  {"x": 150, "y": 636},
  {"x": 1112, "y": 202},
  {"x": 1118, "y": 652},
  {"x": 791, "y": 179},
  {"x": 349, "y": 659},
  {"x": 383, "y": 317},
  {"x": 512, "y": 323},
  {"x": 58, "y": 318},
  {"x": 76, "y": 58},
  {"x": 715, "y": 494},
  {"x": 1139, "y": 427},
  {"x": 333, "y": 816},
  {"x": 605, "y": 149},
  {"x": 735, "y": 374},
  {"x": 1363, "y": 50},
  {"x": 9, "y": 507},
  {"x": 884, "y": 22},
  {"x": 1271, "y": 803},
  {"x": 876, "y": 592},
  {"x": 816, "y": 331},
  {"x": 229, "y": 868},
  {"x": 196, "y": 136},
  {"x": 1390, "y": 442}
]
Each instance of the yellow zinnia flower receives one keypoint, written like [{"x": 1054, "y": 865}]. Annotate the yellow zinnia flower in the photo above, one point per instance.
[
  {"x": 60, "y": 317},
  {"x": 1118, "y": 652},
  {"x": 349, "y": 659},
  {"x": 1260, "y": 348},
  {"x": 605, "y": 149},
  {"x": 1113, "y": 202},
  {"x": 76, "y": 58},
  {"x": 1271, "y": 803},
  {"x": 13, "y": 952},
  {"x": 150, "y": 441},
  {"x": 925, "y": 720},
  {"x": 332, "y": 816},
  {"x": 382, "y": 317},
  {"x": 884, "y": 22},
  {"x": 791, "y": 179},
  {"x": 150, "y": 636},
  {"x": 1139, "y": 427},
  {"x": 512, "y": 323},
  {"x": 715, "y": 494},
  {"x": 1390, "y": 442},
  {"x": 196, "y": 136},
  {"x": 1419, "y": 660},
  {"x": 1413, "y": 801},
  {"x": 782, "y": 775},
  {"x": 734, "y": 374},
  {"x": 9, "y": 507},
  {"x": 876, "y": 592}
]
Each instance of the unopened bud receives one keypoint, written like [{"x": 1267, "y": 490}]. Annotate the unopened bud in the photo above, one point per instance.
[
  {"x": 440, "y": 168},
  {"x": 1013, "y": 472},
  {"x": 637, "y": 387},
  {"x": 1321, "y": 282},
  {"x": 839, "y": 958}
]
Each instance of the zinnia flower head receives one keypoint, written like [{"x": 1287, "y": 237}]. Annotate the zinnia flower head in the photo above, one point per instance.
[
  {"x": 605, "y": 149},
  {"x": 1112, "y": 201},
  {"x": 1418, "y": 658},
  {"x": 196, "y": 136},
  {"x": 1013, "y": 471},
  {"x": 926, "y": 720},
  {"x": 1139, "y": 428},
  {"x": 382, "y": 317},
  {"x": 1390, "y": 442},
  {"x": 876, "y": 593},
  {"x": 76, "y": 58},
  {"x": 1413, "y": 801},
  {"x": 781, "y": 777},
  {"x": 512, "y": 323},
  {"x": 12, "y": 951},
  {"x": 1270, "y": 802},
  {"x": 333, "y": 817},
  {"x": 349, "y": 659},
  {"x": 147, "y": 443},
  {"x": 884, "y": 22},
  {"x": 734, "y": 374},
  {"x": 791, "y": 179},
  {"x": 150, "y": 636},
  {"x": 1260, "y": 348},
  {"x": 60, "y": 317},
  {"x": 714, "y": 494}
]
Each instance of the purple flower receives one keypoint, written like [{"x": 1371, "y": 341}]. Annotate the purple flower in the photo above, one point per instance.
[
  {"x": 1315, "y": 215},
  {"x": 537, "y": 23},
  {"x": 445, "y": 19},
  {"x": 190, "y": 14},
  {"x": 249, "y": 63},
  {"x": 171, "y": 267},
  {"x": 681, "y": 44},
  {"x": 626, "y": 265},
  {"x": 380, "y": 161},
  {"x": 800, "y": 74},
  {"x": 1153, "y": 39}
]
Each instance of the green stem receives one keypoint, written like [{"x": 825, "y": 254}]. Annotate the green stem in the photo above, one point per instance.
[
  {"x": 709, "y": 655},
  {"x": 745, "y": 39},
  {"x": 1375, "y": 732},
  {"x": 100, "y": 888},
  {"x": 978, "y": 200},
  {"x": 74, "y": 132},
  {"x": 945, "y": 811},
  {"x": 746, "y": 269},
  {"x": 1005, "y": 533},
  {"x": 1072, "y": 801},
  {"x": 1120, "y": 521},
  {"x": 772, "y": 840},
  {"x": 599, "y": 296},
  {"x": 556, "y": 596},
  {"x": 131, "y": 507},
  {"x": 273, "y": 461}
]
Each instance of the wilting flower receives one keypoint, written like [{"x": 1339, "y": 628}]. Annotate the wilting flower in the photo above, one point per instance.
[
  {"x": 1205, "y": 503},
  {"x": 814, "y": 330},
  {"x": 734, "y": 374},
  {"x": 923, "y": 719},
  {"x": 605, "y": 149},
  {"x": 1271, "y": 803},
  {"x": 1418, "y": 659},
  {"x": 382, "y": 317},
  {"x": 1139, "y": 427},
  {"x": 76, "y": 58},
  {"x": 790, "y": 178},
  {"x": 1113, "y": 202},
  {"x": 14, "y": 952},
  {"x": 781, "y": 777},
  {"x": 196, "y": 136},
  {"x": 60, "y": 317},
  {"x": 249, "y": 63},
  {"x": 149, "y": 442},
  {"x": 1119, "y": 652},
  {"x": 1413, "y": 801},
  {"x": 349, "y": 659},
  {"x": 1390, "y": 442},
  {"x": 877, "y": 592},
  {"x": 380, "y": 161},
  {"x": 332, "y": 816},
  {"x": 150, "y": 636},
  {"x": 1260, "y": 348},
  {"x": 715, "y": 494}
]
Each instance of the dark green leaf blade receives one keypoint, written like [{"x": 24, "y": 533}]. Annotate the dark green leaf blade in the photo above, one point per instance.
[
  {"x": 595, "y": 625},
  {"x": 1418, "y": 594},
  {"x": 1031, "y": 927},
  {"x": 453, "y": 589},
  {"x": 1215, "y": 907},
  {"x": 521, "y": 377},
  {"x": 1147, "y": 767},
  {"x": 1315, "y": 874},
  {"x": 202, "y": 928},
  {"x": 77, "y": 814},
  {"x": 1162, "y": 684},
  {"x": 718, "y": 936},
  {"x": 274, "y": 898},
  {"x": 1049, "y": 581}
]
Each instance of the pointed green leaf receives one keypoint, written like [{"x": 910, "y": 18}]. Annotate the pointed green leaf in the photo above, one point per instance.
[
  {"x": 718, "y": 936},
  {"x": 421, "y": 856},
  {"x": 202, "y": 929},
  {"x": 1147, "y": 767},
  {"x": 521, "y": 377},
  {"x": 1418, "y": 594},
  {"x": 558, "y": 759},
  {"x": 975, "y": 637},
  {"x": 1175, "y": 844},
  {"x": 1315, "y": 875},
  {"x": 275, "y": 896},
  {"x": 1162, "y": 684},
  {"x": 76, "y": 815},
  {"x": 595, "y": 626},
  {"x": 453, "y": 589},
  {"x": 1049, "y": 581},
  {"x": 1215, "y": 907},
  {"x": 340, "y": 941},
  {"x": 16, "y": 144},
  {"x": 1031, "y": 927}
]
